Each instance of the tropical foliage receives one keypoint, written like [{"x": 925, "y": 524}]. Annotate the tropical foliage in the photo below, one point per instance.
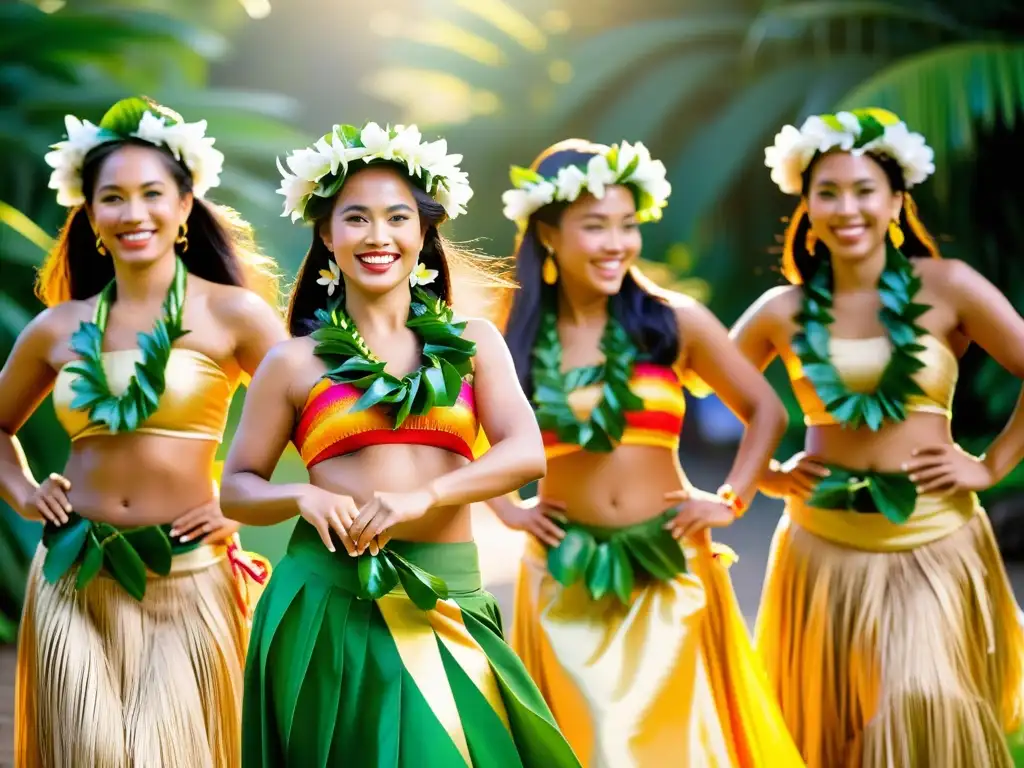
[
  {"x": 81, "y": 60},
  {"x": 706, "y": 85}
]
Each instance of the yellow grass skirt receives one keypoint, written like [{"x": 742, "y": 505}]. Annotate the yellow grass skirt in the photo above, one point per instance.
[
  {"x": 671, "y": 679},
  {"x": 106, "y": 681},
  {"x": 893, "y": 646}
]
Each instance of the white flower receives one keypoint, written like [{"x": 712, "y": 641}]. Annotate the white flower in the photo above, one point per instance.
[
  {"x": 377, "y": 142},
  {"x": 331, "y": 277},
  {"x": 569, "y": 182},
  {"x": 421, "y": 275},
  {"x": 521, "y": 203},
  {"x": 67, "y": 159},
  {"x": 599, "y": 175},
  {"x": 794, "y": 149},
  {"x": 189, "y": 145}
]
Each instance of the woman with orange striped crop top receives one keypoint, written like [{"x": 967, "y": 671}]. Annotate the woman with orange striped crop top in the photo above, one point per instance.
[
  {"x": 887, "y": 622},
  {"x": 375, "y": 644},
  {"x": 634, "y": 637},
  {"x": 137, "y": 608}
]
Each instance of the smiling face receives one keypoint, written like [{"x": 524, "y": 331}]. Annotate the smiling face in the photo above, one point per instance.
[
  {"x": 137, "y": 207},
  {"x": 374, "y": 230},
  {"x": 596, "y": 240},
  {"x": 850, "y": 203}
]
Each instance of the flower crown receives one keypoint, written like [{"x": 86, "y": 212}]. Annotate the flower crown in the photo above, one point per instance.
[
  {"x": 863, "y": 130},
  {"x": 319, "y": 171},
  {"x": 624, "y": 163},
  {"x": 133, "y": 118}
]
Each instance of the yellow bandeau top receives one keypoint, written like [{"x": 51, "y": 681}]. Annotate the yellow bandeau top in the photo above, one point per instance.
[
  {"x": 860, "y": 363},
  {"x": 194, "y": 404}
]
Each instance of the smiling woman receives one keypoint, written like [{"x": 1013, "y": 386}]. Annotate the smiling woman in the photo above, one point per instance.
[
  {"x": 375, "y": 643},
  {"x": 134, "y": 628}
]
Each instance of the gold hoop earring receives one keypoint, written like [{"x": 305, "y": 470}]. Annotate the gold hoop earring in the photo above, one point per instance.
[
  {"x": 811, "y": 242},
  {"x": 99, "y": 246},
  {"x": 896, "y": 235},
  {"x": 182, "y": 238},
  {"x": 549, "y": 272}
]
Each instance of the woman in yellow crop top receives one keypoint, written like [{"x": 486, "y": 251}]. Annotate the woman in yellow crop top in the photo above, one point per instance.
[
  {"x": 374, "y": 644},
  {"x": 635, "y": 638},
  {"x": 136, "y": 616},
  {"x": 887, "y": 622}
]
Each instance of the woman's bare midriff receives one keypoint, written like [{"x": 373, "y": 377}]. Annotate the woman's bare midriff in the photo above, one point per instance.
[
  {"x": 614, "y": 490},
  {"x": 139, "y": 479},
  {"x": 399, "y": 469},
  {"x": 883, "y": 451}
]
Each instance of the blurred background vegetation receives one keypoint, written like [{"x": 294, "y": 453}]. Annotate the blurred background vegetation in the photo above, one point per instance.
[{"x": 704, "y": 84}]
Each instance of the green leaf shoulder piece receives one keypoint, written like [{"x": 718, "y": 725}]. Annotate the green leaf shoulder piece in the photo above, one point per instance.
[
  {"x": 897, "y": 287},
  {"x": 551, "y": 388},
  {"x": 127, "y": 411},
  {"x": 447, "y": 359}
]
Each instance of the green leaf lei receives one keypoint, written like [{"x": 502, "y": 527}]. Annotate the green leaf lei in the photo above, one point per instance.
[
  {"x": 125, "y": 412},
  {"x": 551, "y": 387},
  {"x": 897, "y": 287},
  {"x": 435, "y": 384}
]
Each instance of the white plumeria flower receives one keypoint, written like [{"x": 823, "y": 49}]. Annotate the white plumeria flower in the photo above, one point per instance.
[
  {"x": 331, "y": 277},
  {"x": 421, "y": 275},
  {"x": 521, "y": 203},
  {"x": 599, "y": 175},
  {"x": 569, "y": 182},
  {"x": 377, "y": 142},
  {"x": 67, "y": 158}
]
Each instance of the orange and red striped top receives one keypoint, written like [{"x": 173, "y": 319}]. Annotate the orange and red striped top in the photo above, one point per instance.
[
  {"x": 328, "y": 427},
  {"x": 658, "y": 424}
]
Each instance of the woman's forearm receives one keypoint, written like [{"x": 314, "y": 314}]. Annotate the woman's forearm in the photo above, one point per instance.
[
  {"x": 1006, "y": 451},
  {"x": 251, "y": 500},
  {"x": 764, "y": 431},
  {"x": 506, "y": 467},
  {"x": 502, "y": 505},
  {"x": 16, "y": 481}
]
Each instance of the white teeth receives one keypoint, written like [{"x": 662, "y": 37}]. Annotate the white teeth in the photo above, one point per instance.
[
  {"x": 608, "y": 264},
  {"x": 384, "y": 259},
  {"x": 135, "y": 237}
]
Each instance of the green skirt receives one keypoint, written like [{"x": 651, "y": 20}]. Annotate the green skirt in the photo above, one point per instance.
[{"x": 335, "y": 678}]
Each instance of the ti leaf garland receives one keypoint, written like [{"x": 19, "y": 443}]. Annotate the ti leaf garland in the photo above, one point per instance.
[
  {"x": 551, "y": 387},
  {"x": 897, "y": 287},
  {"x": 435, "y": 384},
  {"x": 125, "y": 412}
]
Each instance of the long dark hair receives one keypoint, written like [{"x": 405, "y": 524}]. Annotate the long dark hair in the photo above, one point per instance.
[
  {"x": 799, "y": 264},
  {"x": 438, "y": 253},
  {"x": 220, "y": 243},
  {"x": 639, "y": 305}
]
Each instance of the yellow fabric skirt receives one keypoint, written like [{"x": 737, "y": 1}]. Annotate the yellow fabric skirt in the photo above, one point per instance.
[
  {"x": 893, "y": 646},
  {"x": 107, "y": 681},
  {"x": 671, "y": 679}
]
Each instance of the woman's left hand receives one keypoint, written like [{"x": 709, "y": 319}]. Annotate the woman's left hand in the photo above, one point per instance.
[
  {"x": 383, "y": 512},
  {"x": 698, "y": 511},
  {"x": 947, "y": 469},
  {"x": 205, "y": 523}
]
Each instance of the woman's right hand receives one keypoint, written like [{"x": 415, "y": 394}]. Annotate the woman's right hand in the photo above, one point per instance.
[
  {"x": 534, "y": 517},
  {"x": 328, "y": 512},
  {"x": 796, "y": 477},
  {"x": 49, "y": 501}
]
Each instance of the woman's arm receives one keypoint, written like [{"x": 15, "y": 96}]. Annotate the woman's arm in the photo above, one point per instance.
[
  {"x": 257, "y": 326},
  {"x": 753, "y": 332},
  {"x": 987, "y": 317},
  {"x": 709, "y": 352},
  {"x": 516, "y": 455},
  {"x": 515, "y": 458},
  {"x": 25, "y": 381},
  {"x": 246, "y": 493}
]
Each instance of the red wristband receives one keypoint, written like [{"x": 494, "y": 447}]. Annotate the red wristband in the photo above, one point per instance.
[{"x": 732, "y": 500}]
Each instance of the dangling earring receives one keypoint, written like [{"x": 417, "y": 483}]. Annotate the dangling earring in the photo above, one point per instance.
[
  {"x": 99, "y": 246},
  {"x": 182, "y": 238},
  {"x": 896, "y": 234},
  {"x": 549, "y": 272},
  {"x": 810, "y": 241}
]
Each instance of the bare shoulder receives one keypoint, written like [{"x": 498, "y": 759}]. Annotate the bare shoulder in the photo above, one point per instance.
[
  {"x": 290, "y": 356},
  {"x": 948, "y": 277},
  {"x": 482, "y": 331},
  {"x": 779, "y": 303},
  {"x": 60, "y": 321},
  {"x": 234, "y": 304}
]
